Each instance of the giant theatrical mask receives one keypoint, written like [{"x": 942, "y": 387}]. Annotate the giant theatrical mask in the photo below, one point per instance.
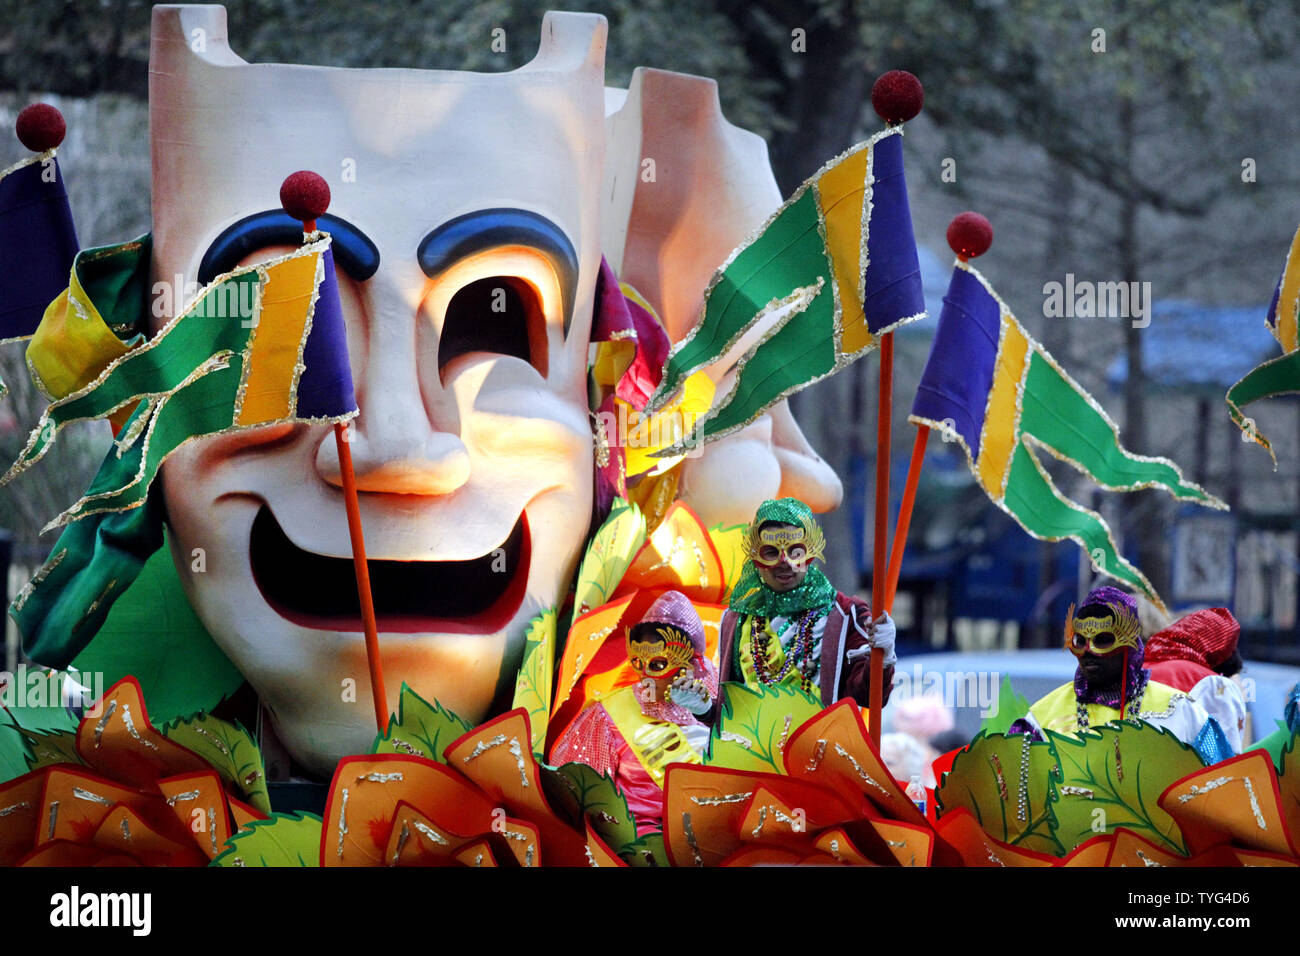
[{"x": 469, "y": 220}]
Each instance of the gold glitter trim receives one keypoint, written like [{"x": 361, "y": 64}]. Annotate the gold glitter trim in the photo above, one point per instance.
[
  {"x": 866, "y": 777},
  {"x": 103, "y": 721},
  {"x": 401, "y": 842},
  {"x": 343, "y": 822},
  {"x": 130, "y": 728},
  {"x": 719, "y": 801},
  {"x": 689, "y": 832},
  {"x": 735, "y": 738},
  {"x": 1070, "y": 791},
  {"x": 429, "y": 833},
  {"x": 29, "y": 161},
  {"x": 1217, "y": 782},
  {"x": 216, "y": 741},
  {"x": 30, "y": 587},
  {"x": 819, "y": 752},
  {"x": 483, "y": 746},
  {"x": 90, "y": 797},
  {"x": 381, "y": 777}
]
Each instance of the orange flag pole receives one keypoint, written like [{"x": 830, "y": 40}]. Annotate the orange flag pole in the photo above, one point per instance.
[
  {"x": 363, "y": 575},
  {"x": 879, "y": 569},
  {"x": 905, "y": 515},
  {"x": 305, "y": 196}
]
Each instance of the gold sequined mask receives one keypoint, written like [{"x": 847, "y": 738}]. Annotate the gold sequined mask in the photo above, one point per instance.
[
  {"x": 798, "y": 546},
  {"x": 1100, "y": 635},
  {"x": 661, "y": 656}
]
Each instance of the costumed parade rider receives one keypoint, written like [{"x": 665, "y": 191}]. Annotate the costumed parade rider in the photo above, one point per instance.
[
  {"x": 788, "y": 624},
  {"x": 638, "y": 730},
  {"x": 1111, "y": 682}
]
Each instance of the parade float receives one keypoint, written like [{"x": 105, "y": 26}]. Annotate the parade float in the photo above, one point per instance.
[{"x": 423, "y": 388}]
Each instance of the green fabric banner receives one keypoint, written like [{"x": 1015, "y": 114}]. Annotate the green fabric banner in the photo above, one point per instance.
[{"x": 1057, "y": 412}]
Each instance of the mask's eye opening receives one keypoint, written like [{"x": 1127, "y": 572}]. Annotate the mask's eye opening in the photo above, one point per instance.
[
  {"x": 1104, "y": 641},
  {"x": 1078, "y": 643},
  {"x": 498, "y": 314}
]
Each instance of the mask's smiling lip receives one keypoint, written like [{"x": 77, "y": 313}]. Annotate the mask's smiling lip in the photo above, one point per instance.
[{"x": 477, "y": 596}]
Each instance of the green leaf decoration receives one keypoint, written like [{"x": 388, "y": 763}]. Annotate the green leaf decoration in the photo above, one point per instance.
[
  {"x": 598, "y": 798},
  {"x": 729, "y": 540},
  {"x": 420, "y": 728},
  {"x": 754, "y": 724},
  {"x": 646, "y": 851},
  {"x": 986, "y": 779},
  {"x": 1010, "y": 707},
  {"x": 1275, "y": 744},
  {"x": 153, "y": 634},
  {"x": 25, "y": 729},
  {"x": 283, "y": 839},
  {"x": 536, "y": 681},
  {"x": 230, "y": 749},
  {"x": 609, "y": 556},
  {"x": 14, "y": 755},
  {"x": 47, "y": 748},
  {"x": 1125, "y": 788}
]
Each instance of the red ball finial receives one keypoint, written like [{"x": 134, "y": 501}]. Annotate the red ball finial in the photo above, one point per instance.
[
  {"x": 897, "y": 96},
  {"x": 40, "y": 127},
  {"x": 970, "y": 235},
  {"x": 305, "y": 195}
]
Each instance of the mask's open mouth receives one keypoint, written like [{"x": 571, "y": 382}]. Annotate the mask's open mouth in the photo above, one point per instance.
[{"x": 478, "y": 596}]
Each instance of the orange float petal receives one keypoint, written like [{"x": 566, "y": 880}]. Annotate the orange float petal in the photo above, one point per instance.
[
  {"x": 496, "y": 756},
  {"x": 834, "y": 750},
  {"x": 198, "y": 801},
  {"x": 1236, "y": 801},
  {"x": 20, "y": 814},
  {"x": 679, "y": 555},
  {"x": 962, "y": 832},
  {"x": 120, "y": 742},
  {"x": 366, "y": 789},
  {"x": 124, "y": 832}
]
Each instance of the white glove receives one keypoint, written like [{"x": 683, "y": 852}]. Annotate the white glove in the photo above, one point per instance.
[
  {"x": 690, "y": 692},
  {"x": 880, "y": 633}
]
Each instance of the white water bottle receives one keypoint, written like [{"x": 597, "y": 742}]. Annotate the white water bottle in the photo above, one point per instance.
[{"x": 916, "y": 793}]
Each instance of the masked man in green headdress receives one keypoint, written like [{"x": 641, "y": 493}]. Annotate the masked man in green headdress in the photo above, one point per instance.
[{"x": 788, "y": 624}]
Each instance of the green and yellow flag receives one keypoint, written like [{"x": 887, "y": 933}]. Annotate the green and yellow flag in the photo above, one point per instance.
[
  {"x": 838, "y": 262},
  {"x": 990, "y": 386},
  {"x": 1279, "y": 376},
  {"x": 261, "y": 345}
]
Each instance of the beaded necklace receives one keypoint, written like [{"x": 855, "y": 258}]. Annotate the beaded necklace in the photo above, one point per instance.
[
  {"x": 799, "y": 654},
  {"x": 1136, "y": 699}
]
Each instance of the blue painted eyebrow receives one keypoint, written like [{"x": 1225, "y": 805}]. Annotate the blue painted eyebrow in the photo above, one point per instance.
[
  {"x": 485, "y": 229},
  {"x": 353, "y": 250}
]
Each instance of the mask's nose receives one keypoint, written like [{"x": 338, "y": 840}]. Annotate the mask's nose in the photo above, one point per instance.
[{"x": 402, "y": 442}]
